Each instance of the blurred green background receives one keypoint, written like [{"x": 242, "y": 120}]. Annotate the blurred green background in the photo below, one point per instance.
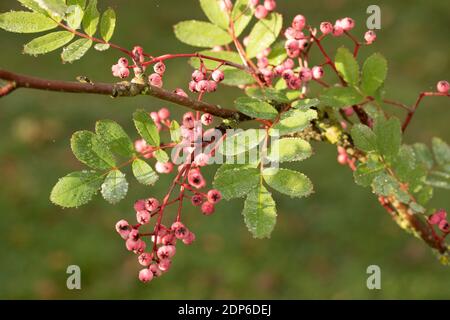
[{"x": 321, "y": 246}]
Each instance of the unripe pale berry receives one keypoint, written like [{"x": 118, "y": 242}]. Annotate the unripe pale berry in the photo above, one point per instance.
[
  {"x": 214, "y": 196},
  {"x": 207, "y": 208},
  {"x": 145, "y": 275},
  {"x": 347, "y": 24},
  {"x": 261, "y": 12},
  {"x": 299, "y": 22},
  {"x": 145, "y": 259},
  {"x": 370, "y": 36},
  {"x": 207, "y": 119},
  {"x": 159, "y": 68},
  {"x": 163, "y": 114},
  {"x": 317, "y": 72},
  {"x": 305, "y": 75},
  {"x": 162, "y": 167},
  {"x": 143, "y": 217},
  {"x": 326, "y": 27},
  {"x": 218, "y": 75},
  {"x": 197, "y": 76},
  {"x": 155, "y": 80},
  {"x": 443, "y": 86}
]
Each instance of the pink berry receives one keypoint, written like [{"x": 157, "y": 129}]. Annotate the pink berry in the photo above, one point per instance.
[
  {"x": 337, "y": 30},
  {"x": 145, "y": 259},
  {"x": 162, "y": 167},
  {"x": 326, "y": 27},
  {"x": 159, "y": 68},
  {"x": 123, "y": 62},
  {"x": 196, "y": 180},
  {"x": 120, "y": 71},
  {"x": 151, "y": 204},
  {"x": 305, "y": 75},
  {"x": 261, "y": 12},
  {"x": 218, "y": 75},
  {"x": 193, "y": 86},
  {"x": 291, "y": 45},
  {"x": 155, "y": 80},
  {"x": 196, "y": 200},
  {"x": 123, "y": 229},
  {"x": 202, "y": 86},
  {"x": 347, "y": 24},
  {"x": 155, "y": 270},
  {"x": 169, "y": 239},
  {"x": 155, "y": 117},
  {"x": 166, "y": 252},
  {"x": 179, "y": 230},
  {"x": 180, "y": 92},
  {"x": 134, "y": 234},
  {"x": 294, "y": 82},
  {"x": 214, "y": 196},
  {"x": 254, "y": 3},
  {"x": 349, "y": 111},
  {"x": 437, "y": 217},
  {"x": 299, "y": 22},
  {"x": 145, "y": 275},
  {"x": 143, "y": 217},
  {"x": 207, "y": 119},
  {"x": 207, "y": 208},
  {"x": 342, "y": 158},
  {"x": 140, "y": 247},
  {"x": 164, "y": 265},
  {"x": 189, "y": 238},
  {"x": 370, "y": 36},
  {"x": 131, "y": 244},
  {"x": 288, "y": 64},
  {"x": 163, "y": 114},
  {"x": 444, "y": 226},
  {"x": 212, "y": 86},
  {"x": 291, "y": 33},
  {"x": 443, "y": 86},
  {"x": 317, "y": 72},
  {"x": 197, "y": 76},
  {"x": 188, "y": 120},
  {"x": 278, "y": 70},
  {"x": 270, "y": 5}
]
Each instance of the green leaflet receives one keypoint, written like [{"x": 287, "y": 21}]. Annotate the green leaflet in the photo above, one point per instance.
[
  {"x": 291, "y": 183},
  {"x": 339, "y": 97},
  {"x": 260, "y": 212},
  {"x": 26, "y": 22},
  {"x": 373, "y": 74},
  {"x": 389, "y": 136},
  {"x": 146, "y": 127},
  {"x": 108, "y": 24},
  {"x": 48, "y": 43},
  {"x": 242, "y": 15},
  {"x": 364, "y": 138},
  {"x": 74, "y": 16},
  {"x": 115, "y": 137},
  {"x": 255, "y": 108},
  {"x": 91, "y": 18},
  {"x": 76, "y": 50},
  {"x": 289, "y": 149},
  {"x": 264, "y": 33},
  {"x": 241, "y": 141},
  {"x": 215, "y": 14},
  {"x": 347, "y": 66},
  {"x": 90, "y": 150},
  {"x": 115, "y": 187},
  {"x": 235, "y": 182},
  {"x": 161, "y": 156},
  {"x": 293, "y": 121},
  {"x": 210, "y": 35},
  {"x": 76, "y": 189},
  {"x": 144, "y": 173}
]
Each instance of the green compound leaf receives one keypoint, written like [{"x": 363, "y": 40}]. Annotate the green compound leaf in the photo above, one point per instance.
[
  {"x": 144, "y": 173},
  {"x": 293, "y": 121},
  {"x": 264, "y": 33},
  {"x": 347, "y": 66},
  {"x": 76, "y": 189},
  {"x": 291, "y": 183},
  {"x": 364, "y": 138},
  {"x": 289, "y": 149},
  {"x": 115, "y": 137},
  {"x": 108, "y": 24},
  {"x": 389, "y": 136},
  {"x": 242, "y": 15},
  {"x": 441, "y": 151},
  {"x": 215, "y": 14},
  {"x": 76, "y": 50},
  {"x": 115, "y": 187},
  {"x": 90, "y": 150},
  {"x": 146, "y": 127},
  {"x": 48, "y": 43},
  {"x": 236, "y": 182},
  {"x": 91, "y": 18},
  {"x": 210, "y": 35},
  {"x": 74, "y": 16},
  {"x": 373, "y": 74},
  {"x": 260, "y": 212},
  {"x": 339, "y": 97},
  {"x": 25, "y": 22},
  {"x": 255, "y": 108}
]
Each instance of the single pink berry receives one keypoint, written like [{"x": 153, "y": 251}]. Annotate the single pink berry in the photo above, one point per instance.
[
  {"x": 188, "y": 120},
  {"x": 293, "y": 34},
  {"x": 347, "y": 24},
  {"x": 139, "y": 205},
  {"x": 155, "y": 80},
  {"x": 169, "y": 239},
  {"x": 326, "y": 27},
  {"x": 337, "y": 30},
  {"x": 134, "y": 234},
  {"x": 162, "y": 167},
  {"x": 305, "y": 75},
  {"x": 443, "y": 86},
  {"x": 193, "y": 86},
  {"x": 291, "y": 45},
  {"x": 196, "y": 180},
  {"x": 207, "y": 208},
  {"x": 218, "y": 75},
  {"x": 189, "y": 238},
  {"x": 212, "y": 86},
  {"x": 123, "y": 229},
  {"x": 197, "y": 76},
  {"x": 120, "y": 71},
  {"x": 155, "y": 117},
  {"x": 317, "y": 72},
  {"x": 349, "y": 111},
  {"x": 370, "y": 36},
  {"x": 164, "y": 265},
  {"x": 159, "y": 68},
  {"x": 123, "y": 62},
  {"x": 145, "y": 259},
  {"x": 155, "y": 270},
  {"x": 278, "y": 70},
  {"x": 139, "y": 247},
  {"x": 196, "y": 200},
  {"x": 437, "y": 217},
  {"x": 299, "y": 22},
  {"x": 214, "y": 196},
  {"x": 342, "y": 158},
  {"x": 151, "y": 204},
  {"x": 207, "y": 119},
  {"x": 261, "y": 12},
  {"x": 145, "y": 275},
  {"x": 202, "y": 86},
  {"x": 294, "y": 82},
  {"x": 179, "y": 230},
  {"x": 444, "y": 226},
  {"x": 287, "y": 74},
  {"x": 143, "y": 217},
  {"x": 254, "y": 3},
  {"x": 180, "y": 92},
  {"x": 166, "y": 252},
  {"x": 270, "y": 5},
  {"x": 131, "y": 244},
  {"x": 163, "y": 114}
]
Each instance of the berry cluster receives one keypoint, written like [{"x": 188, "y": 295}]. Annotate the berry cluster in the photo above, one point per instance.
[
  {"x": 202, "y": 83},
  {"x": 439, "y": 218}
]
